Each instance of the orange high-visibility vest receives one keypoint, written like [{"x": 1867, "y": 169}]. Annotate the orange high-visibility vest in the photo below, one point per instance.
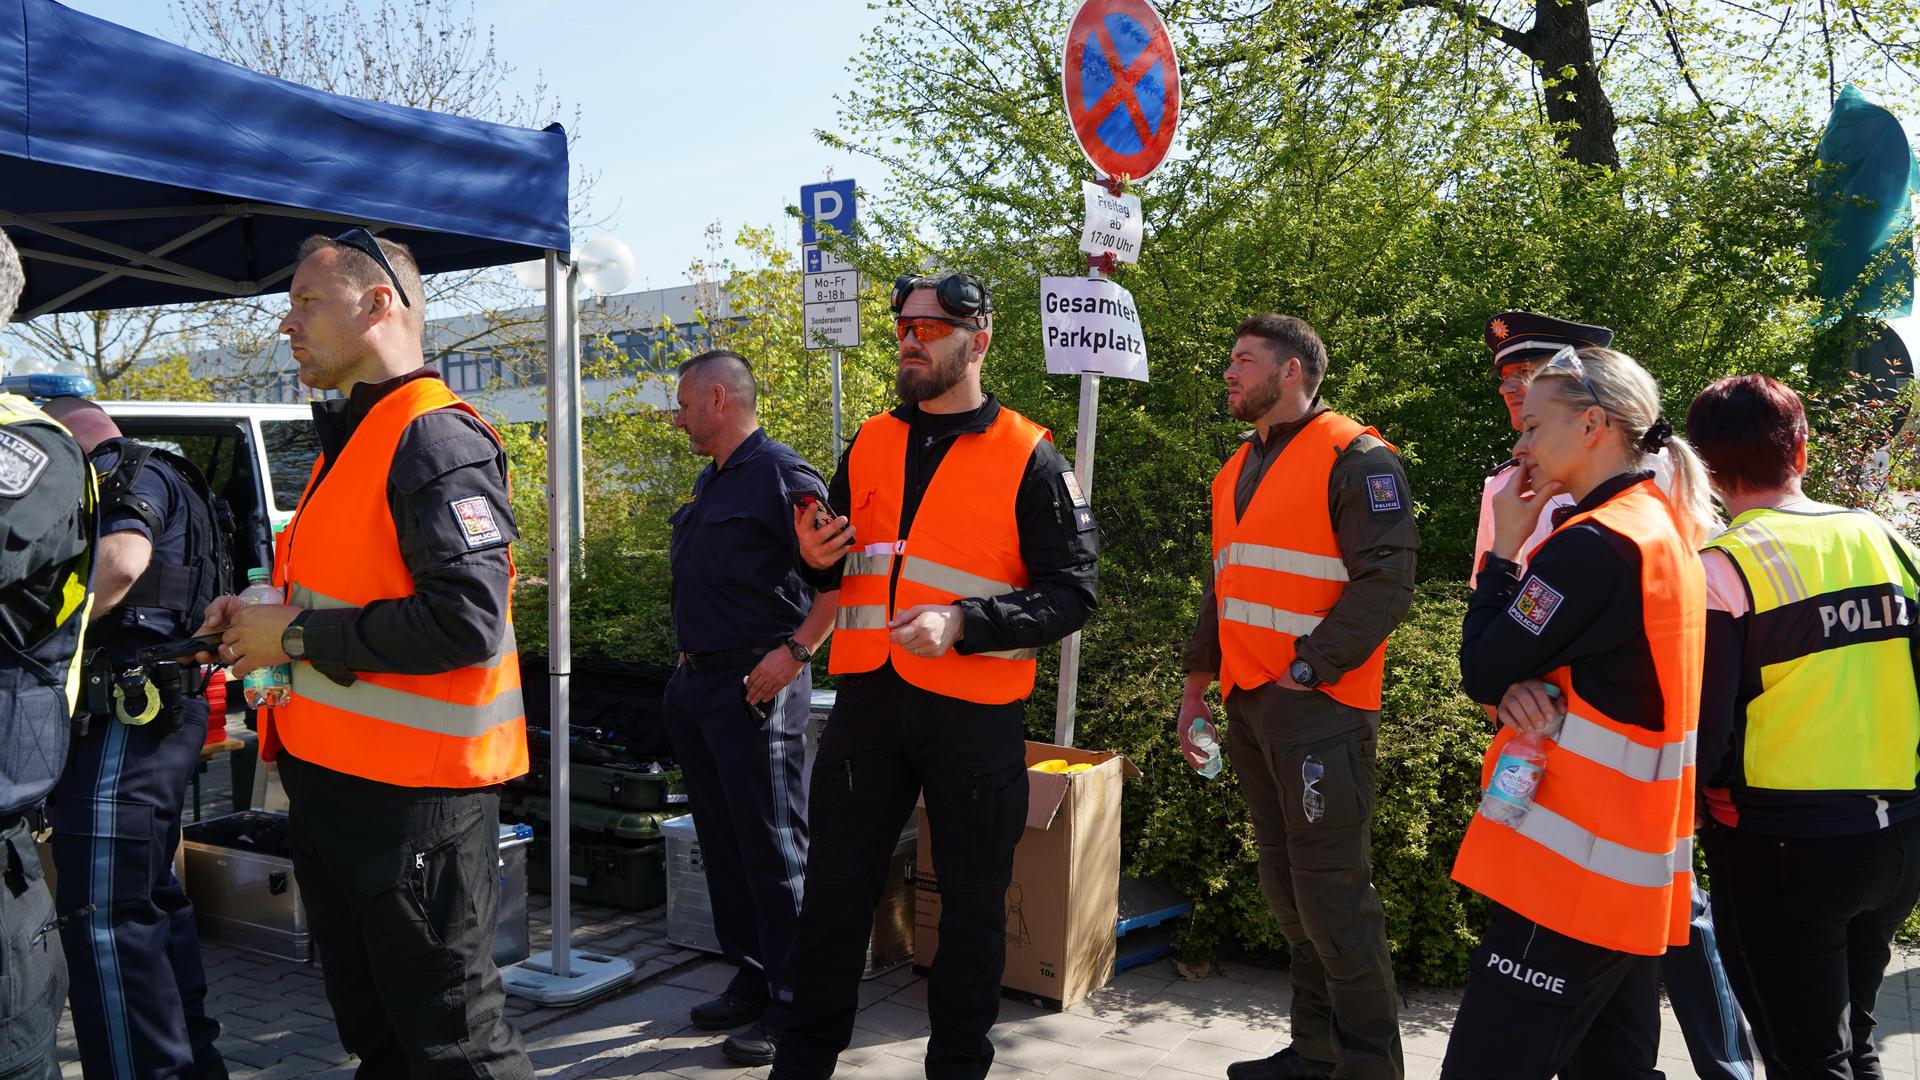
[
  {"x": 965, "y": 542},
  {"x": 456, "y": 729},
  {"x": 1606, "y": 854},
  {"x": 1277, "y": 569}
]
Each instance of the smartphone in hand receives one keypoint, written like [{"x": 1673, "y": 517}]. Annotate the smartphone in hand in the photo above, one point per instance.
[{"x": 807, "y": 500}]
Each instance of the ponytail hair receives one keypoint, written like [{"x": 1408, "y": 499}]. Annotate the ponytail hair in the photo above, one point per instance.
[{"x": 1631, "y": 399}]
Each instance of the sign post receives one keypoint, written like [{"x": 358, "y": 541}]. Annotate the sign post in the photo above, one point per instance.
[
  {"x": 829, "y": 285},
  {"x": 1121, "y": 78}
]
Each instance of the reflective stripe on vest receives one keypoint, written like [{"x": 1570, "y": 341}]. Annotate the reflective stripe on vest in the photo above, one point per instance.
[
  {"x": 1283, "y": 560},
  {"x": 1278, "y": 569},
  {"x": 964, "y": 542},
  {"x": 1247, "y": 613},
  {"x": 1629, "y": 866},
  {"x": 457, "y": 729},
  {"x": 397, "y": 705},
  {"x": 1827, "y": 642},
  {"x": 1607, "y": 746},
  {"x": 1604, "y": 855}
]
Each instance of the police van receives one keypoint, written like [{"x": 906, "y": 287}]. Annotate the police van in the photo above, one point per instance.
[{"x": 256, "y": 457}]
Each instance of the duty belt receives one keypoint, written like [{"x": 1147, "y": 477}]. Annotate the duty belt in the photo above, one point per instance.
[{"x": 721, "y": 661}]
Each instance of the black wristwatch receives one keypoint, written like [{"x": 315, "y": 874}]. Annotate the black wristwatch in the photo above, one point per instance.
[
  {"x": 1302, "y": 672},
  {"x": 800, "y": 652},
  {"x": 293, "y": 640}
]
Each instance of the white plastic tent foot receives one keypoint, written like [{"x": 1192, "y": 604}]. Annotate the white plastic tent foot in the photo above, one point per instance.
[{"x": 593, "y": 975}]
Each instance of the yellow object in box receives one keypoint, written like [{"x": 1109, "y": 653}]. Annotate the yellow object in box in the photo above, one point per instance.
[
  {"x": 1051, "y": 765},
  {"x": 1081, "y": 767}
]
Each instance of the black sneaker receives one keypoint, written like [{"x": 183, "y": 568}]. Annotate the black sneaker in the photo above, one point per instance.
[
  {"x": 1288, "y": 1064},
  {"x": 726, "y": 1011},
  {"x": 753, "y": 1046}
]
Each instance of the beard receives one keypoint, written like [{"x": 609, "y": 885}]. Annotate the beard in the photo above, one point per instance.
[
  {"x": 939, "y": 376},
  {"x": 1256, "y": 400}
]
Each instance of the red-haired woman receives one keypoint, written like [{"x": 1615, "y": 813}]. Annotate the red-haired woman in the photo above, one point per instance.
[{"x": 1808, "y": 731}]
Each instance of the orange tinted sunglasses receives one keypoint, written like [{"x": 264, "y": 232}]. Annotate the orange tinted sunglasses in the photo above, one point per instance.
[{"x": 930, "y": 328}]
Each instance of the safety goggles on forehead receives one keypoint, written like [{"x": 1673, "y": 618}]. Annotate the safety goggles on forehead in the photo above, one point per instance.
[
  {"x": 363, "y": 242},
  {"x": 959, "y": 294},
  {"x": 1567, "y": 361},
  {"x": 931, "y": 328}
]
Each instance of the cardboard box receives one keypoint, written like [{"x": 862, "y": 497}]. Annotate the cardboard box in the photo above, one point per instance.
[{"x": 1064, "y": 897}]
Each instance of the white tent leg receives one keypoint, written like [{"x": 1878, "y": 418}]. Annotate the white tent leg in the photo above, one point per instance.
[{"x": 560, "y": 976}]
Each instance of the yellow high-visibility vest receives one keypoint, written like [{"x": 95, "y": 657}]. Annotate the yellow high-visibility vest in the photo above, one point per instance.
[{"x": 1828, "y": 645}]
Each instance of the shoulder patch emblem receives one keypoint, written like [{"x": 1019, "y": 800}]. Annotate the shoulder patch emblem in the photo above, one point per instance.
[
  {"x": 21, "y": 463},
  {"x": 1073, "y": 488},
  {"x": 1535, "y": 605},
  {"x": 477, "y": 524},
  {"x": 1383, "y": 493}
]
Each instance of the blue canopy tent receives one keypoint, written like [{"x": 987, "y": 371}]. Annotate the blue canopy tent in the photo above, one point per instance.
[{"x": 135, "y": 172}]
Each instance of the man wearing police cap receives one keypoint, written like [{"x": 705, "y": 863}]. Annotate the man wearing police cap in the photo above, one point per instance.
[
  {"x": 1717, "y": 1037},
  {"x": 139, "y": 990},
  {"x": 46, "y": 530}
]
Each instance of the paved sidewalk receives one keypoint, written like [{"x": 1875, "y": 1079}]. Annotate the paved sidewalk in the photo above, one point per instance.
[{"x": 1149, "y": 1024}]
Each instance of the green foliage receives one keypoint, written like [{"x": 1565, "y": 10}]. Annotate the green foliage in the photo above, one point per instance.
[
  {"x": 1379, "y": 171},
  {"x": 169, "y": 379}
]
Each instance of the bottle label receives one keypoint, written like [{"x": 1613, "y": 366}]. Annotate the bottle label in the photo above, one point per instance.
[{"x": 1514, "y": 780}]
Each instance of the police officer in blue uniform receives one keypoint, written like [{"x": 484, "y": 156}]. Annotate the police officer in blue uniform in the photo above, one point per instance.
[
  {"x": 45, "y": 533},
  {"x": 737, "y": 705},
  {"x": 139, "y": 991}
]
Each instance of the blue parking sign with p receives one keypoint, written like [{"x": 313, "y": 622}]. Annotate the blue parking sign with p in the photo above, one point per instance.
[{"x": 830, "y": 204}]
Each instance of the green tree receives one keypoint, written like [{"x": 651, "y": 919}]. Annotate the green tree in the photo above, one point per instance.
[{"x": 1391, "y": 180}]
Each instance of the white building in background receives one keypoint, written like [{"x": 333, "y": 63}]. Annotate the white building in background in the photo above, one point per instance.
[{"x": 503, "y": 372}]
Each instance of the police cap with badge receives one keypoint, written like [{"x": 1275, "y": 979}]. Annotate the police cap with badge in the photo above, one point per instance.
[{"x": 1516, "y": 337}]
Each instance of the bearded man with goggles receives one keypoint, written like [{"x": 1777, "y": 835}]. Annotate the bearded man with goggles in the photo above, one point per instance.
[{"x": 961, "y": 545}]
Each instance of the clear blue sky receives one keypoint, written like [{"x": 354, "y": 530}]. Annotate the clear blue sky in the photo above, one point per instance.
[{"x": 689, "y": 111}]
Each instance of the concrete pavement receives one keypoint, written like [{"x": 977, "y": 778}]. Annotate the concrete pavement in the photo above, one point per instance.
[{"x": 1149, "y": 1024}]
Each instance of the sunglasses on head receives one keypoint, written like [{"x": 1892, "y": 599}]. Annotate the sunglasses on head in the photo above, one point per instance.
[
  {"x": 959, "y": 294},
  {"x": 363, "y": 242},
  {"x": 1567, "y": 360},
  {"x": 931, "y": 328}
]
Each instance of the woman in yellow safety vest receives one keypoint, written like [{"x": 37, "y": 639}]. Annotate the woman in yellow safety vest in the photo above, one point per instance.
[
  {"x": 1809, "y": 726},
  {"x": 1595, "y": 645}
]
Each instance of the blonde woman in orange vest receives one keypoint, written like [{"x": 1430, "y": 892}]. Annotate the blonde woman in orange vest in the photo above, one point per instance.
[
  {"x": 1598, "y": 647},
  {"x": 961, "y": 547},
  {"x": 406, "y": 712},
  {"x": 1313, "y": 561}
]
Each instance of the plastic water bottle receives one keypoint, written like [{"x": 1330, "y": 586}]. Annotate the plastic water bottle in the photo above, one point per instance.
[
  {"x": 267, "y": 685},
  {"x": 1202, "y": 735},
  {"x": 1516, "y": 776}
]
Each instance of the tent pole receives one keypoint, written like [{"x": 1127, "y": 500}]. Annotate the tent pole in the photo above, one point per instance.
[
  {"x": 576, "y": 451},
  {"x": 560, "y": 437},
  {"x": 559, "y": 976}
]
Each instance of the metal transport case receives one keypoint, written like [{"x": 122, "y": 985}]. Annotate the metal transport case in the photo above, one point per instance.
[{"x": 238, "y": 871}]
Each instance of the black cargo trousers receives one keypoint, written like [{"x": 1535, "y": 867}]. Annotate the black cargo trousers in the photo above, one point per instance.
[
  {"x": 402, "y": 891},
  {"x": 885, "y": 744}
]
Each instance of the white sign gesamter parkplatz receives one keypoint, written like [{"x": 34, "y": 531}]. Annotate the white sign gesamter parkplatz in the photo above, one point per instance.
[{"x": 1091, "y": 326}]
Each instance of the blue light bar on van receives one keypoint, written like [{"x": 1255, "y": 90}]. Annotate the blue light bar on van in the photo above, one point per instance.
[{"x": 46, "y": 384}]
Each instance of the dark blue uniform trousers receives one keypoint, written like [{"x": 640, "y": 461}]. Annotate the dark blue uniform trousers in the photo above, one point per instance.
[
  {"x": 743, "y": 781},
  {"x": 139, "y": 991},
  {"x": 1703, "y": 1003}
]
